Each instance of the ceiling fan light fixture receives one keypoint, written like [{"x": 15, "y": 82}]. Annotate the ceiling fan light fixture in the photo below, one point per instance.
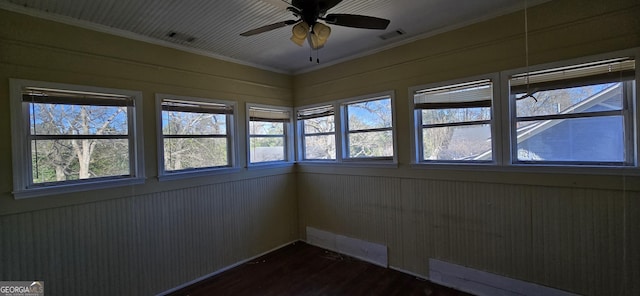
[
  {"x": 306, "y": 26},
  {"x": 299, "y": 33},
  {"x": 319, "y": 35}
]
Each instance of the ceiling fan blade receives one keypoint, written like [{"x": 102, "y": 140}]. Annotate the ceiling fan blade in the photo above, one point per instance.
[
  {"x": 268, "y": 28},
  {"x": 357, "y": 21}
]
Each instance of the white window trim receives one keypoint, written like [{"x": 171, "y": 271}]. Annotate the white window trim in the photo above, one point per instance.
[
  {"x": 299, "y": 132},
  {"x": 496, "y": 107},
  {"x": 22, "y": 186},
  {"x": 288, "y": 137},
  {"x": 231, "y": 129},
  {"x": 509, "y": 113},
  {"x": 340, "y": 133},
  {"x": 344, "y": 150}
]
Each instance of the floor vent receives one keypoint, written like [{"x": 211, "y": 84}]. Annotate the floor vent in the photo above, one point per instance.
[
  {"x": 363, "y": 250},
  {"x": 482, "y": 283}
]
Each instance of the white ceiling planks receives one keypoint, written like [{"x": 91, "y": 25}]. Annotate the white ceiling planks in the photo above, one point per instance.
[{"x": 213, "y": 27}]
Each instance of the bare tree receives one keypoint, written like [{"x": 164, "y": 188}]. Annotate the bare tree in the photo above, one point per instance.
[
  {"x": 84, "y": 148},
  {"x": 320, "y": 146},
  {"x": 188, "y": 151},
  {"x": 370, "y": 119},
  {"x": 71, "y": 159}
]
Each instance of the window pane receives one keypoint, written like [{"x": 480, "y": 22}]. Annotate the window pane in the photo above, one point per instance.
[
  {"x": 438, "y": 116},
  {"x": 371, "y": 144},
  {"x": 323, "y": 124},
  {"x": 266, "y": 128},
  {"x": 470, "y": 143},
  {"x": 189, "y": 153},
  {"x": 583, "y": 99},
  {"x": 56, "y": 119},
  {"x": 264, "y": 149},
  {"x": 456, "y": 121},
  {"x": 593, "y": 139},
  {"x": 320, "y": 147},
  {"x": 370, "y": 114},
  {"x": 268, "y": 131},
  {"x": 582, "y": 114},
  {"x": 63, "y": 160},
  {"x": 190, "y": 123}
]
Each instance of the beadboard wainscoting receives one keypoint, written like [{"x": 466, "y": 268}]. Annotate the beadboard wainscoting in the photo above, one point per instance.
[
  {"x": 575, "y": 239},
  {"x": 162, "y": 239}
]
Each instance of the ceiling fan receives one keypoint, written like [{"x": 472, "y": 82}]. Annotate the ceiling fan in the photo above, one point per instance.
[{"x": 307, "y": 25}]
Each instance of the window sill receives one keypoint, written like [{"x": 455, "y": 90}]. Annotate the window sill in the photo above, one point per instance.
[
  {"x": 351, "y": 163},
  {"x": 269, "y": 165},
  {"x": 196, "y": 173},
  {"x": 77, "y": 187},
  {"x": 533, "y": 168}
]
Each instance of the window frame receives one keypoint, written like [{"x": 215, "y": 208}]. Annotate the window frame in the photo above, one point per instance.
[
  {"x": 288, "y": 136},
  {"x": 301, "y": 135},
  {"x": 340, "y": 133},
  {"x": 345, "y": 132},
  {"x": 23, "y": 186},
  {"x": 631, "y": 120},
  {"x": 416, "y": 126},
  {"x": 231, "y": 136}
]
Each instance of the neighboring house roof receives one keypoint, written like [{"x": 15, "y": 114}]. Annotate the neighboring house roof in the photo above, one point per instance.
[{"x": 526, "y": 132}]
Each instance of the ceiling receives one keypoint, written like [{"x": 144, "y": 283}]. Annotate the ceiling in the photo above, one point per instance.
[{"x": 215, "y": 25}]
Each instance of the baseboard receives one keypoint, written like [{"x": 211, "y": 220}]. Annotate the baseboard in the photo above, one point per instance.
[
  {"x": 421, "y": 277},
  {"x": 483, "y": 283},
  {"x": 204, "y": 277},
  {"x": 357, "y": 248}
]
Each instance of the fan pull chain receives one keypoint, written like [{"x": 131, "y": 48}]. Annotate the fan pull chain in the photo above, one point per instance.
[{"x": 311, "y": 55}]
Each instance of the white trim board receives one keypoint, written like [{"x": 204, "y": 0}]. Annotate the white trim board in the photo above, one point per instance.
[
  {"x": 484, "y": 283},
  {"x": 221, "y": 270},
  {"x": 363, "y": 250}
]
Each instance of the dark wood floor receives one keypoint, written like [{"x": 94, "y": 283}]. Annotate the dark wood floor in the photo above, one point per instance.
[{"x": 302, "y": 269}]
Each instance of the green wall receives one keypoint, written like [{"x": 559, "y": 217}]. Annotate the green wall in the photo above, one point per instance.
[
  {"x": 149, "y": 238},
  {"x": 576, "y": 232}
]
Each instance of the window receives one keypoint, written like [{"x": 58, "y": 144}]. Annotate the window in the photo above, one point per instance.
[
  {"x": 269, "y": 130},
  {"x": 355, "y": 130},
  {"x": 317, "y": 133},
  {"x": 69, "y": 138},
  {"x": 369, "y": 129},
  {"x": 453, "y": 122},
  {"x": 579, "y": 114},
  {"x": 195, "y": 135}
]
